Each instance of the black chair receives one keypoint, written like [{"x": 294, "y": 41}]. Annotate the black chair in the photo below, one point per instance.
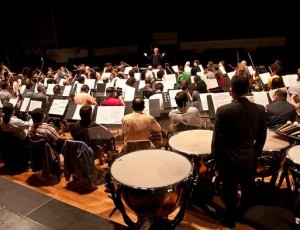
[
  {"x": 14, "y": 153},
  {"x": 44, "y": 158}
]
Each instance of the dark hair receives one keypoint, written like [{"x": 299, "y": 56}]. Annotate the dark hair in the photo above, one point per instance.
[
  {"x": 138, "y": 104},
  {"x": 240, "y": 84},
  {"x": 193, "y": 71},
  {"x": 181, "y": 99},
  {"x": 8, "y": 110},
  {"x": 85, "y": 88},
  {"x": 37, "y": 115},
  {"x": 56, "y": 89},
  {"x": 85, "y": 113}
]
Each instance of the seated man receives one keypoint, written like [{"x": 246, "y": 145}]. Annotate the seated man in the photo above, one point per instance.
[
  {"x": 111, "y": 99},
  {"x": 80, "y": 130},
  {"x": 280, "y": 110},
  {"x": 84, "y": 98},
  {"x": 183, "y": 117},
  {"x": 42, "y": 130},
  {"x": 138, "y": 125}
]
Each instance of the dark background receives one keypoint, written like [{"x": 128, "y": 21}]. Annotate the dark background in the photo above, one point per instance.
[{"x": 47, "y": 24}]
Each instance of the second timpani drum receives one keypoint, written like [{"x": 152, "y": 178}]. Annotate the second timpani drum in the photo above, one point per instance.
[{"x": 192, "y": 142}]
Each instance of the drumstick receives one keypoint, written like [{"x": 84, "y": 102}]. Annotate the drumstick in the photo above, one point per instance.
[
  {"x": 289, "y": 128},
  {"x": 295, "y": 133},
  {"x": 288, "y": 123}
]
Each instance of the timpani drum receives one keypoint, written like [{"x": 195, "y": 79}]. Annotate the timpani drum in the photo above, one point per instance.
[
  {"x": 151, "y": 183},
  {"x": 292, "y": 165},
  {"x": 192, "y": 142},
  {"x": 273, "y": 154}
]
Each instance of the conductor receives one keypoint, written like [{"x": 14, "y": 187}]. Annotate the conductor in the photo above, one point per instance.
[{"x": 155, "y": 58}]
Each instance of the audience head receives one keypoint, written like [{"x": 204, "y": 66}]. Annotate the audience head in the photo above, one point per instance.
[
  {"x": 86, "y": 114},
  {"x": 37, "y": 115},
  {"x": 239, "y": 85},
  {"x": 8, "y": 111},
  {"x": 138, "y": 104},
  {"x": 85, "y": 88},
  {"x": 280, "y": 94},
  {"x": 181, "y": 99}
]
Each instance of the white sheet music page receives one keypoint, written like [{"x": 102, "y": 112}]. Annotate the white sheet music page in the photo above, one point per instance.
[
  {"x": 231, "y": 74},
  {"x": 110, "y": 114},
  {"x": 203, "y": 97},
  {"x": 175, "y": 68},
  {"x": 201, "y": 68},
  {"x": 90, "y": 83},
  {"x": 211, "y": 83},
  {"x": 251, "y": 70},
  {"x": 141, "y": 84},
  {"x": 172, "y": 94},
  {"x": 34, "y": 105},
  {"x": 265, "y": 77},
  {"x": 127, "y": 69},
  {"x": 13, "y": 101},
  {"x": 58, "y": 107},
  {"x": 170, "y": 77},
  {"x": 49, "y": 90},
  {"x": 168, "y": 85},
  {"x": 137, "y": 76},
  {"x": 23, "y": 87},
  {"x": 261, "y": 98},
  {"x": 290, "y": 79},
  {"x": 220, "y": 99},
  {"x": 67, "y": 91},
  {"x": 129, "y": 93},
  {"x": 147, "y": 108},
  {"x": 24, "y": 104},
  {"x": 76, "y": 115},
  {"x": 222, "y": 69}
]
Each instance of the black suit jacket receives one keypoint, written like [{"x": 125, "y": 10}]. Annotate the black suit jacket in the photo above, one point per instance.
[{"x": 239, "y": 134}]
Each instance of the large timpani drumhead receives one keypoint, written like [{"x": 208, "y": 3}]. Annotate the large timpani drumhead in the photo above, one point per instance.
[
  {"x": 275, "y": 142},
  {"x": 151, "y": 182},
  {"x": 294, "y": 154},
  {"x": 195, "y": 142}
]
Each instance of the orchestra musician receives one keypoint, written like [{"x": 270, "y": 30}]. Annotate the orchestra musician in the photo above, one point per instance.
[{"x": 155, "y": 58}]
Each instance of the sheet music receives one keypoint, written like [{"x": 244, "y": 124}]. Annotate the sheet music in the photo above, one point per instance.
[
  {"x": 141, "y": 84},
  {"x": 172, "y": 94},
  {"x": 203, "y": 97},
  {"x": 222, "y": 69},
  {"x": 290, "y": 79},
  {"x": 13, "y": 101},
  {"x": 137, "y": 76},
  {"x": 147, "y": 108},
  {"x": 110, "y": 114},
  {"x": 261, "y": 98},
  {"x": 58, "y": 107},
  {"x": 154, "y": 71},
  {"x": 211, "y": 83},
  {"x": 187, "y": 69},
  {"x": 265, "y": 77},
  {"x": 251, "y": 70},
  {"x": 170, "y": 78},
  {"x": 78, "y": 87},
  {"x": 67, "y": 90},
  {"x": 49, "y": 90},
  {"x": 175, "y": 68},
  {"x": 129, "y": 93},
  {"x": 231, "y": 74},
  {"x": 45, "y": 81},
  {"x": 127, "y": 69},
  {"x": 76, "y": 115},
  {"x": 90, "y": 83},
  {"x": 34, "y": 105},
  {"x": 105, "y": 75},
  {"x": 168, "y": 85},
  {"x": 23, "y": 87},
  {"x": 24, "y": 105},
  {"x": 61, "y": 82},
  {"x": 120, "y": 83},
  {"x": 220, "y": 99}
]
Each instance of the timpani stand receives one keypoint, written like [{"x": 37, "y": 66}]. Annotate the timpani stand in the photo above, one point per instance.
[{"x": 196, "y": 146}]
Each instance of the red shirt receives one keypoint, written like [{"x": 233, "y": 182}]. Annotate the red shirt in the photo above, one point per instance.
[{"x": 111, "y": 101}]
